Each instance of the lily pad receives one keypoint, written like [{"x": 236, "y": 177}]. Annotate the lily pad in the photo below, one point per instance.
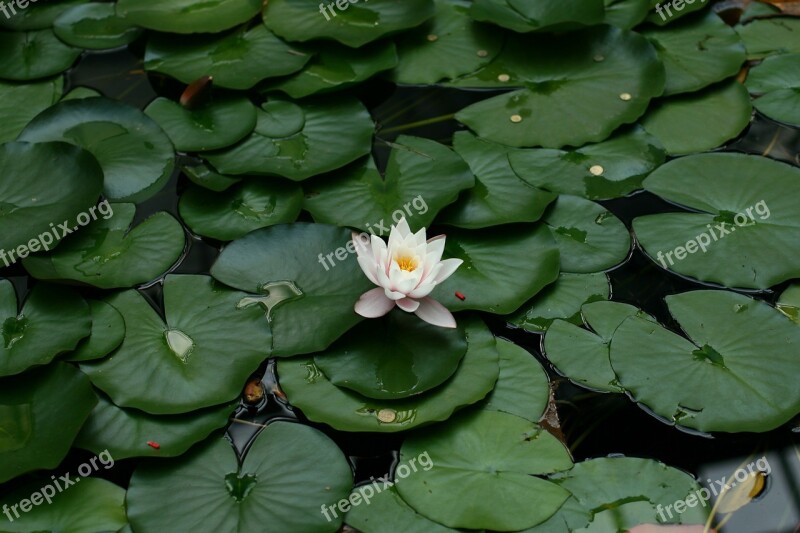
[
  {"x": 37, "y": 16},
  {"x": 500, "y": 271},
  {"x": 95, "y": 26},
  {"x": 627, "y": 13},
  {"x": 241, "y": 209},
  {"x": 387, "y": 513},
  {"x": 273, "y": 485},
  {"x": 589, "y": 237},
  {"x": 697, "y": 52},
  {"x": 494, "y": 459},
  {"x": 37, "y": 206},
  {"x": 21, "y": 102},
  {"x": 188, "y": 16},
  {"x": 563, "y": 299},
  {"x": 52, "y": 321},
  {"x": 127, "y": 433},
  {"x": 745, "y": 234},
  {"x": 41, "y": 412},
  {"x": 771, "y": 36},
  {"x": 136, "y": 156},
  {"x": 238, "y": 59},
  {"x": 789, "y": 303},
  {"x": 361, "y": 197},
  {"x": 355, "y": 24},
  {"x": 523, "y": 388},
  {"x": 166, "y": 367},
  {"x": 33, "y": 55},
  {"x": 777, "y": 81},
  {"x": 393, "y": 357},
  {"x": 307, "y": 306},
  {"x": 524, "y": 16},
  {"x": 736, "y": 370},
  {"x": 308, "y": 389},
  {"x": 681, "y": 122},
  {"x": 109, "y": 254},
  {"x": 609, "y": 169},
  {"x": 670, "y": 12},
  {"x": 603, "y": 77},
  {"x": 218, "y": 124},
  {"x": 298, "y": 141},
  {"x": 207, "y": 178},
  {"x": 499, "y": 195},
  {"x": 108, "y": 331}
]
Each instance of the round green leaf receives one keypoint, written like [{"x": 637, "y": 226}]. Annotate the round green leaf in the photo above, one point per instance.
[
  {"x": 601, "y": 78},
  {"x": 667, "y": 12},
  {"x": 736, "y": 370},
  {"x": 41, "y": 412},
  {"x": 782, "y": 106},
  {"x": 203, "y": 176},
  {"x": 108, "y": 330},
  {"x": 332, "y": 133},
  {"x": 681, "y": 122},
  {"x": 355, "y": 24},
  {"x": 360, "y": 196},
  {"x": 393, "y": 357},
  {"x": 745, "y": 233},
  {"x": 236, "y": 60},
  {"x": 493, "y": 458},
  {"x": 136, "y": 156},
  {"x": 386, "y": 512},
  {"x": 627, "y": 13},
  {"x": 109, "y": 254},
  {"x": 37, "y": 206},
  {"x": 241, "y": 209},
  {"x": 37, "y": 16},
  {"x": 525, "y": 16},
  {"x": 94, "y": 26},
  {"x": 34, "y": 54},
  {"x": 789, "y": 302},
  {"x": 777, "y": 80},
  {"x": 523, "y": 388},
  {"x": 309, "y": 390},
  {"x": 501, "y": 270},
  {"x": 765, "y": 37},
  {"x": 499, "y": 196},
  {"x": 273, "y": 488},
  {"x": 20, "y": 102},
  {"x": 188, "y": 16},
  {"x": 200, "y": 356}
]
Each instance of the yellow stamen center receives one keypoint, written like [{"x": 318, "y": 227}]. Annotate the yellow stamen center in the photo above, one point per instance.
[{"x": 407, "y": 263}]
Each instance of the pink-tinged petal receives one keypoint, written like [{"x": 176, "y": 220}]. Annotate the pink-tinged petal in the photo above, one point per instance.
[
  {"x": 378, "y": 248},
  {"x": 363, "y": 249},
  {"x": 373, "y": 304},
  {"x": 402, "y": 228},
  {"x": 435, "y": 313},
  {"x": 433, "y": 253},
  {"x": 369, "y": 267},
  {"x": 408, "y": 305},
  {"x": 407, "y": 281},
  {"x": 393, "y": 295},
  {"x": 420, "y": 237},
  {"x": 424, "y": 288},
  {"x": 448, "y": 267}
]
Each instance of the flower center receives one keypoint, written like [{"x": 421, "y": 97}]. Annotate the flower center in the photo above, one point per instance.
[{"x": 407, "y": 263}]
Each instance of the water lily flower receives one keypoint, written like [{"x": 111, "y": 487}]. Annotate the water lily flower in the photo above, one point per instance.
[{"x": 405, "y": 272}]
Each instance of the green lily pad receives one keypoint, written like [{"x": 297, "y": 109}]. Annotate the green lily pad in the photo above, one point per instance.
[
  {"x": 386, "y": 512},
  {"x": 308, "y": 389},
  {"x": 777, "y": 80},
  {"x": 188, "y": 16},
  {"x": 499, "y": 195},
  {"x": 523, "y": 388},
  {"x": 697, "y": 52},
  {"x": 501, "y": 270},
  {"x": 494, "y": 459},
  {"x": 336, "y": 66},
  {"x": 272, "y": 486},
  {"x": 589, "y": 237},
  {"x": 736, "y": 370},
  {"x": 33, "y": 55},
  {"x": 393, "y": 357},
  {"x": 129, "y": 433},
  {"x": 765, "y": 37},
  {"x": 108, "y": 331},
  {"x": 354, "y": 24},
  {"x": 603, "y": 77},
  {"x": 109, "y": 254},
  {"x": 218, "y": 124},
  {"x": 669, "y": 11},
  {"x": 450, "y": 45},
  {"x": 626, "y": 14},
  {"x": 236, "y": 60},
  {"x": 298, "y": 141},
  {"x": 681, "y": 122},
  {"x": 789, "y": 303},
  {"x": 136, "y": 156},
  {"x": 52, "y": 321},
  {"x": 745, "y": 234},
  {"x": 41, "y": 412},
  {"x": 207, "y": 178},
  {"x": 524, "y": 16},
  {"x": 563, "y": 299},
  {"x": 241, "y": 209},
  {"x": 36, "y": 16},
  {"x": 307, "y": 306},
  {"x": 609, "y": 169},
  {"x": 95, "y": 26},
  {"x": 37, "y": 206},
  {"x": 361, "y": 197},
  {"x": 781, "y": 106},
  {"x": 200, "y": 356},
  {"x": 78, "y": 93},
  {"x": 21, "y": 102},
  {"x": 92, "y": 506}
]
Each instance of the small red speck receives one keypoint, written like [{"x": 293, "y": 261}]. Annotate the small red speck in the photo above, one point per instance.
[
  {"x": 154, "y": 445},
  {"x": 460, "y": 296}
]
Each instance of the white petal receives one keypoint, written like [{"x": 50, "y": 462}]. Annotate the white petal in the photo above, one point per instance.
[
  {"x": 435, "y": 313},
  {"x": 378, "y": 247},
  {"x": 448, "y": 267},
  {"x": 434, "y": 251},
  {"x": 402, "y": 228},
  {"x": 369, "y": 267},
  {"x": 422, "y": 290},
  {"x": 362, "y": 248},
  {"x": 373, "y": 304},
  {"x": 393, "y": 295},
  {"x": 408, "y": 305}
]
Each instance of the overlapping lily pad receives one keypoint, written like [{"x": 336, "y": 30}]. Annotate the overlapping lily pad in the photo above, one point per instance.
[
  {"x": 108, "y": 331},
  {"x": 95, "y": 26},
  {"x": 789, "y": 303},
  {"x": 523, "y": 388},
  {"x": 525, "y": 16},
  {"x": 37, "y": 15},
  {"x": 668, "y": 12},
  {"x": 627, "y": 13},
  {"x": 188, "y": 16},
  {"x": 777, "y": 81},
  {"x": 273, "y": 485},
  {"x": 20, "y": 102},
  {"x": 386, "y": 512},
  {"x": 771, "y": 36},
  {"x": 34, "y": 54},
  {"x": 200, "y": 356},
  {"x": 109, "y": 254},
  {"x": 202, "y": 175}
]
